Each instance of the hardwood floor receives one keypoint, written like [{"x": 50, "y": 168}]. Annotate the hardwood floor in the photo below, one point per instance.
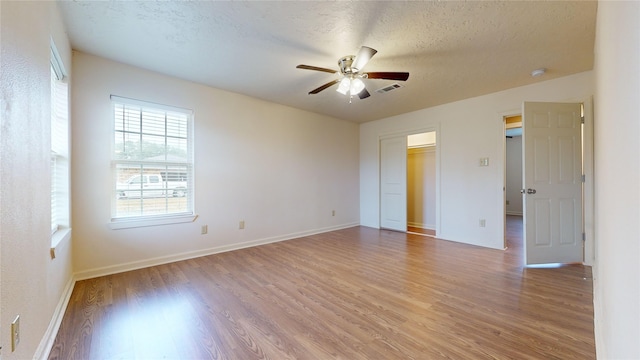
[{"x": 358, "y": 293}]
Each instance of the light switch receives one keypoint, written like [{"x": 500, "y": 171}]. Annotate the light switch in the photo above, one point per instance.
[{"x": 484, "y": 161}]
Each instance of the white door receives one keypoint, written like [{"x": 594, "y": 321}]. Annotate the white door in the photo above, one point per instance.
[
  {"x": 552, "y": 183},
  {"x": 393, "y": 183}
]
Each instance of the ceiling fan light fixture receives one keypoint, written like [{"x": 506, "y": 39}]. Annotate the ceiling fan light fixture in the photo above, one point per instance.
[
  {"x": 344, "y": 86},
  {"x": 356, "y": 87},
  {"x": 350, "y": 81}
]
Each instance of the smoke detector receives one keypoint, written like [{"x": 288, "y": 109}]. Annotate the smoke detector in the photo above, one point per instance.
[{"x": 538, "y": 72}]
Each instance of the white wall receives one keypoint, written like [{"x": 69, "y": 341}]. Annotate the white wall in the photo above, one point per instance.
[
  {"x": 32, "y": 284},
  {"x": 468, "y": 130},
  {"x": 617, "y": 181},
  {"x": 279, "y": 169},
  {"x": 514, "y": 175}
]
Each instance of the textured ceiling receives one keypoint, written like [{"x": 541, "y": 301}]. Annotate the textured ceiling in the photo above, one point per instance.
[{"x": 453, "y": 50}]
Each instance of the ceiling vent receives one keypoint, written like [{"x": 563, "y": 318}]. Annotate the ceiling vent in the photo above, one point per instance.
[{"x": 391, "y": 87}]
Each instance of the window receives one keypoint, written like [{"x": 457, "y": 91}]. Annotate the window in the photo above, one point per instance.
[
  {"x": 152, "y": 161},
  {"x": 60, "y": 222}
]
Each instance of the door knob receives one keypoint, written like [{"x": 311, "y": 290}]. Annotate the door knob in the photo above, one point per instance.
[{"x": 531, "y": 191}]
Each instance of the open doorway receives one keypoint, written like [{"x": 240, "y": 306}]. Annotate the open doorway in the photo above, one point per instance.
[
  {"x": 545, "y": 167},
  {"x": 419, "y": 151},
  {"x": 421, "y": 183},
  {"x": 513, "y": 182}
]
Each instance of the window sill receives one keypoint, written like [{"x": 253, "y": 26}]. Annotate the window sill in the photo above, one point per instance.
[
  {"x": 59, "y": 239},
  {"x": 117, "y": 224}
]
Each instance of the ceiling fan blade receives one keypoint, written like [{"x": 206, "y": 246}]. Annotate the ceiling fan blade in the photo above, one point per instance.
[
  {"x": 309, "y": 67},
  {"x": 330, "y": 83},
  {"x": 363, "y": 94},
  {"x": 364, "y": 55},
  {"x": 402, "y": 76}
]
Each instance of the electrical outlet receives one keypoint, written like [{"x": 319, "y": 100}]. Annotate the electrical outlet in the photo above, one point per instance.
[
  {"x": 204, "y": 229},
  {"x": 15, "y": 333},
  {"x": 241, "y": 225},
  {"x": 483, "y": 222}
]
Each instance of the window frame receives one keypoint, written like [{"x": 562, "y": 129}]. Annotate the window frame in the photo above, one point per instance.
[
  {"x": 60, "y": 156},
  {"x": 131, "y": 221}
]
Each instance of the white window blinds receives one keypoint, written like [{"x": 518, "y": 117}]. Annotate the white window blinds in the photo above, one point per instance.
[
  {"x": 152, "y": 160},
  {"x": 59, "y": 147}
]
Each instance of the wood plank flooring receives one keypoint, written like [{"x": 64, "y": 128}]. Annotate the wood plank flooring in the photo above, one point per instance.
[{"x": 358, "y": 293}]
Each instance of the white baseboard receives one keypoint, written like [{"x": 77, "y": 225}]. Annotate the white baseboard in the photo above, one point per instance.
[
  {"x": 44, "y": 348},
  {"x": 135, "y": 265},
  {"x": 601, "y": 350}
]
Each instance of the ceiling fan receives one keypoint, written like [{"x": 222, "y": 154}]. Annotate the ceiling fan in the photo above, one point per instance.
[{"x": 351, "y": 74}]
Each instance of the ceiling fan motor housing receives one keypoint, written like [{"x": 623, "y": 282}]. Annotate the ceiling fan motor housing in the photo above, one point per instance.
[{"x": 345, "y": 65}]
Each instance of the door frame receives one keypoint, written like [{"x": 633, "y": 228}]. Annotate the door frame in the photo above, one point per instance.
[
  {"x": 406, "y": 133},
  {"x": 588, "y": 186},
  {"x": 588, "y": 171}
]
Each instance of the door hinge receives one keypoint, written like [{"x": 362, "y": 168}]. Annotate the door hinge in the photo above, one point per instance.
[
  {"x": 582, "y": 119},
  {"x": 584, "y": 237},
  {"x": 584, "y": 177}
]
